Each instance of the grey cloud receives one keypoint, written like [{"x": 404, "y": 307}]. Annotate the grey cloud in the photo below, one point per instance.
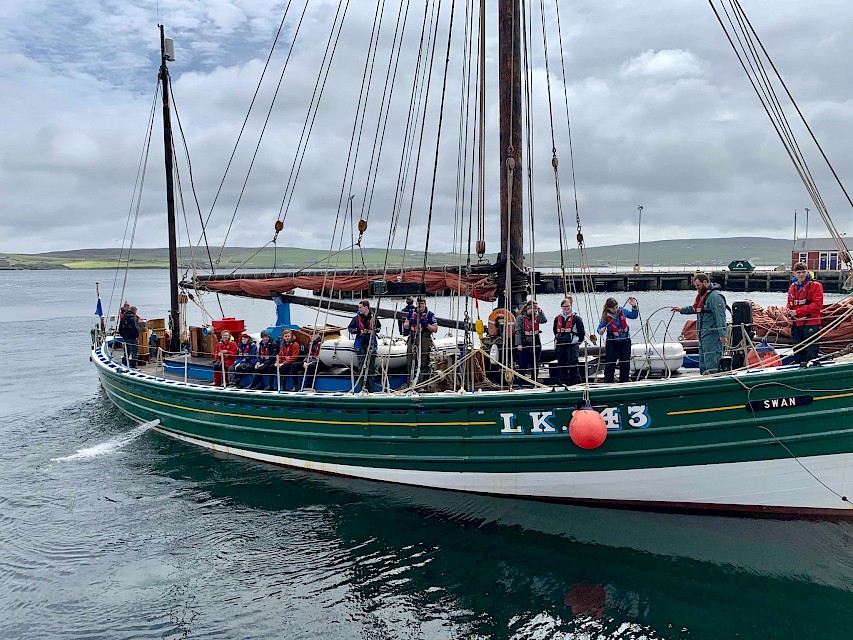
[{"x": 661, "y": 116}]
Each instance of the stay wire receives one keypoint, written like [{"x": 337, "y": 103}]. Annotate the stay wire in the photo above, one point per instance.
[
  {"x": 361, "y": 109},
  {"x": 135, "y": 197},
  {"x": 797, "y": 108},
  {"x": 385, "y": 109},
  {"x": 793, "y": 152},
  {"x": 314, "y": 107},
  {"x": 245, "y": 122},
  {"x": 443, "y": 96},
  {"x": 426, "y": 84},
  {"x": 408, "y": 135},
  {"x": 586, "y": 276}
]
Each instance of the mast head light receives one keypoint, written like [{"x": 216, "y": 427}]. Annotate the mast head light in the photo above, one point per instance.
[{"x": 169, "y": 49}]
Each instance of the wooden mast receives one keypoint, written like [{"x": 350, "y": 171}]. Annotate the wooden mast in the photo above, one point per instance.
[
  {"x": 509, "y": 91},
  {"x": 174, "y": 313}
]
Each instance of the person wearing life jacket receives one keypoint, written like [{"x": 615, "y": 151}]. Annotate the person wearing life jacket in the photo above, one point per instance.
[
  {"x": 312, "y": 361},
  {"x": 805, "y": 300},
  {"x": 128, "y": 329},
  {"x": 528, "y": 346},
  {"x": 617, "y": 348},
  {"x": 223, "y": 357},
  {"x": 419, "y": 327},
  {"x": 247, "y": 356},
  {"x": 265, "y": 364},
  {"x": 364, "y": 327},
  {"x": 404, "y": 314},
  {"x": 287, "y": 363},
  {"x": 710, "y": 310},
  {"x": 497, "y": 343},
  {"x": 569, "y": 333}
]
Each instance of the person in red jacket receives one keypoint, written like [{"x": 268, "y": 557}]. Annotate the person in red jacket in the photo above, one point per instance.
[
  {"x": 805, "y": 300},
  {"x": 287, "y": 363},
  {"x": 224, "y": 356}
]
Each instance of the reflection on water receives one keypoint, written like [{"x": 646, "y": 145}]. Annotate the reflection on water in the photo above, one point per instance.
[{"x": 507, "y": 568}]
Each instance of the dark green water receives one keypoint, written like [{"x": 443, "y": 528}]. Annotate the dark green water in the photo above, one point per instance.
[{"x": 111, "y": 531}]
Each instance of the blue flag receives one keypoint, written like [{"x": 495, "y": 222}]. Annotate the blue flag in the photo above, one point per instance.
[{"x": 99, "y": 310}]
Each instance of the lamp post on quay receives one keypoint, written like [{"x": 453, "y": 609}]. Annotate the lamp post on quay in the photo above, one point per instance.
[{"x": 639, "y": 232}]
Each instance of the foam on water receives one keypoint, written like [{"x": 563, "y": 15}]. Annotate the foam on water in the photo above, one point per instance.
[{"x": 110, "y": 446}]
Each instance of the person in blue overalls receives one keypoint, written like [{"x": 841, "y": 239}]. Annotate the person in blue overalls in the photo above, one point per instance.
[
  {"x": 617, "y": 349},
  {"x": 419, "y": 327}
]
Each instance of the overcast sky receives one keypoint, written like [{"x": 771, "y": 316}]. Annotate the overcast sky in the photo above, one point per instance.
[{"x": 661, "y": 115}]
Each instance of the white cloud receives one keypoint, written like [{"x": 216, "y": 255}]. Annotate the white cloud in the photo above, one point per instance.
[{"x": 669, "y": 63}]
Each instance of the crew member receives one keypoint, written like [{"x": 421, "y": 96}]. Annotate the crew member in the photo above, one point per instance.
[
  {"x": 263, "y": 369},
  {"x": 223, "y": 357},
  {"x": 710, "y": 310},
  {"x": 569, "y": 332},
  {"x": 247, "y": 356},
  {"x": 287, "y": 363},
  {"x": 805, "y": 300},
  {"x": 419, "y": 327},
  {"x": 617, "y": 348},
  {"x": 364, "y": 326},
  {"x": 528, "y": 345}
]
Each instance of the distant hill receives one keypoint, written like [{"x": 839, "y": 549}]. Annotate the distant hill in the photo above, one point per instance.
[{"x": 689, "y": 252}]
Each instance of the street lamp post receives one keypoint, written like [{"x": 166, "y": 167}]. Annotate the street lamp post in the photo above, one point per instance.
[{"x": 639, "y": 232}]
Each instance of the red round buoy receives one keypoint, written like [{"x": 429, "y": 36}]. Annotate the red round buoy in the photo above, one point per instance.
[{"x": 587, "y": 428}]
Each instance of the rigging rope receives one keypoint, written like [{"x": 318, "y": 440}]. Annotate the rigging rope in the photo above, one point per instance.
[{"x": 746, "y": 51}]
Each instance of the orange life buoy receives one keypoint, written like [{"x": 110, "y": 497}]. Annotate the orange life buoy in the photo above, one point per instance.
[
  {"x": 499, "y": 314},
  {"x": 506, "y": 314}
]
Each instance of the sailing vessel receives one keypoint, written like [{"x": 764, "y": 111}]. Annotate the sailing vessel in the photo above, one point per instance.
[{"x": 775, "y": 441}]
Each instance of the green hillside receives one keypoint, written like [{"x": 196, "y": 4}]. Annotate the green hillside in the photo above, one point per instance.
[{"x": 691, "y": 252}]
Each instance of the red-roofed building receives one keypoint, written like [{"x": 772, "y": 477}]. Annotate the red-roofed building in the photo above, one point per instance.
[{"x": 819, "y": 254}]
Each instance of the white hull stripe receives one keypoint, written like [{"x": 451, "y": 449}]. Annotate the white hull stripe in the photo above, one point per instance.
[{"x": 767, "y": 483}]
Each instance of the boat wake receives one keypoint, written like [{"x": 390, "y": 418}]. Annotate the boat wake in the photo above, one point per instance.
[{"x": 110, "y": 446}]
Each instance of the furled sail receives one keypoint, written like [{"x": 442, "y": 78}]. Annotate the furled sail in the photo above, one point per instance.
[{"x": 267, "y": 285}]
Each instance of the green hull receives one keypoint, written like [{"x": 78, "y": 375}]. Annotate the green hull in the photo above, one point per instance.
[{"x": 777, "y": 441}]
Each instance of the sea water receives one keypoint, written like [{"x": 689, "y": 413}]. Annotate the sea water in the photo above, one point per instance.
[{"x": 111, "y": 530}]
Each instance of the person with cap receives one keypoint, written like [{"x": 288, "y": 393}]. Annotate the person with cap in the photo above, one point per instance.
[
  {"x": 247, "y": 356},
  {"x": 265, "y": 366},
  {"x": 528, "y": 345},
  {"x": 805, "y": 301},
  {"x": 404, "y": 313},
  {"x": 419, "y": 327},
  {"x": 364, "y": 326}
]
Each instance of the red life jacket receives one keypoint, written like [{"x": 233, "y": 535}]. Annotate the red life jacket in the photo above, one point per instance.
[
  {"x": 800, "y": 296},
  {"x": 364, "y": 323},
  {"x": 699, "y": 303},
  {"x": 289, "y": 352},
  {"x": 527, "y": 329},
  {"x": 314, "y": 350},
  {"x": 613, "y": 329},
  {"x": 565, "y": 325}
]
